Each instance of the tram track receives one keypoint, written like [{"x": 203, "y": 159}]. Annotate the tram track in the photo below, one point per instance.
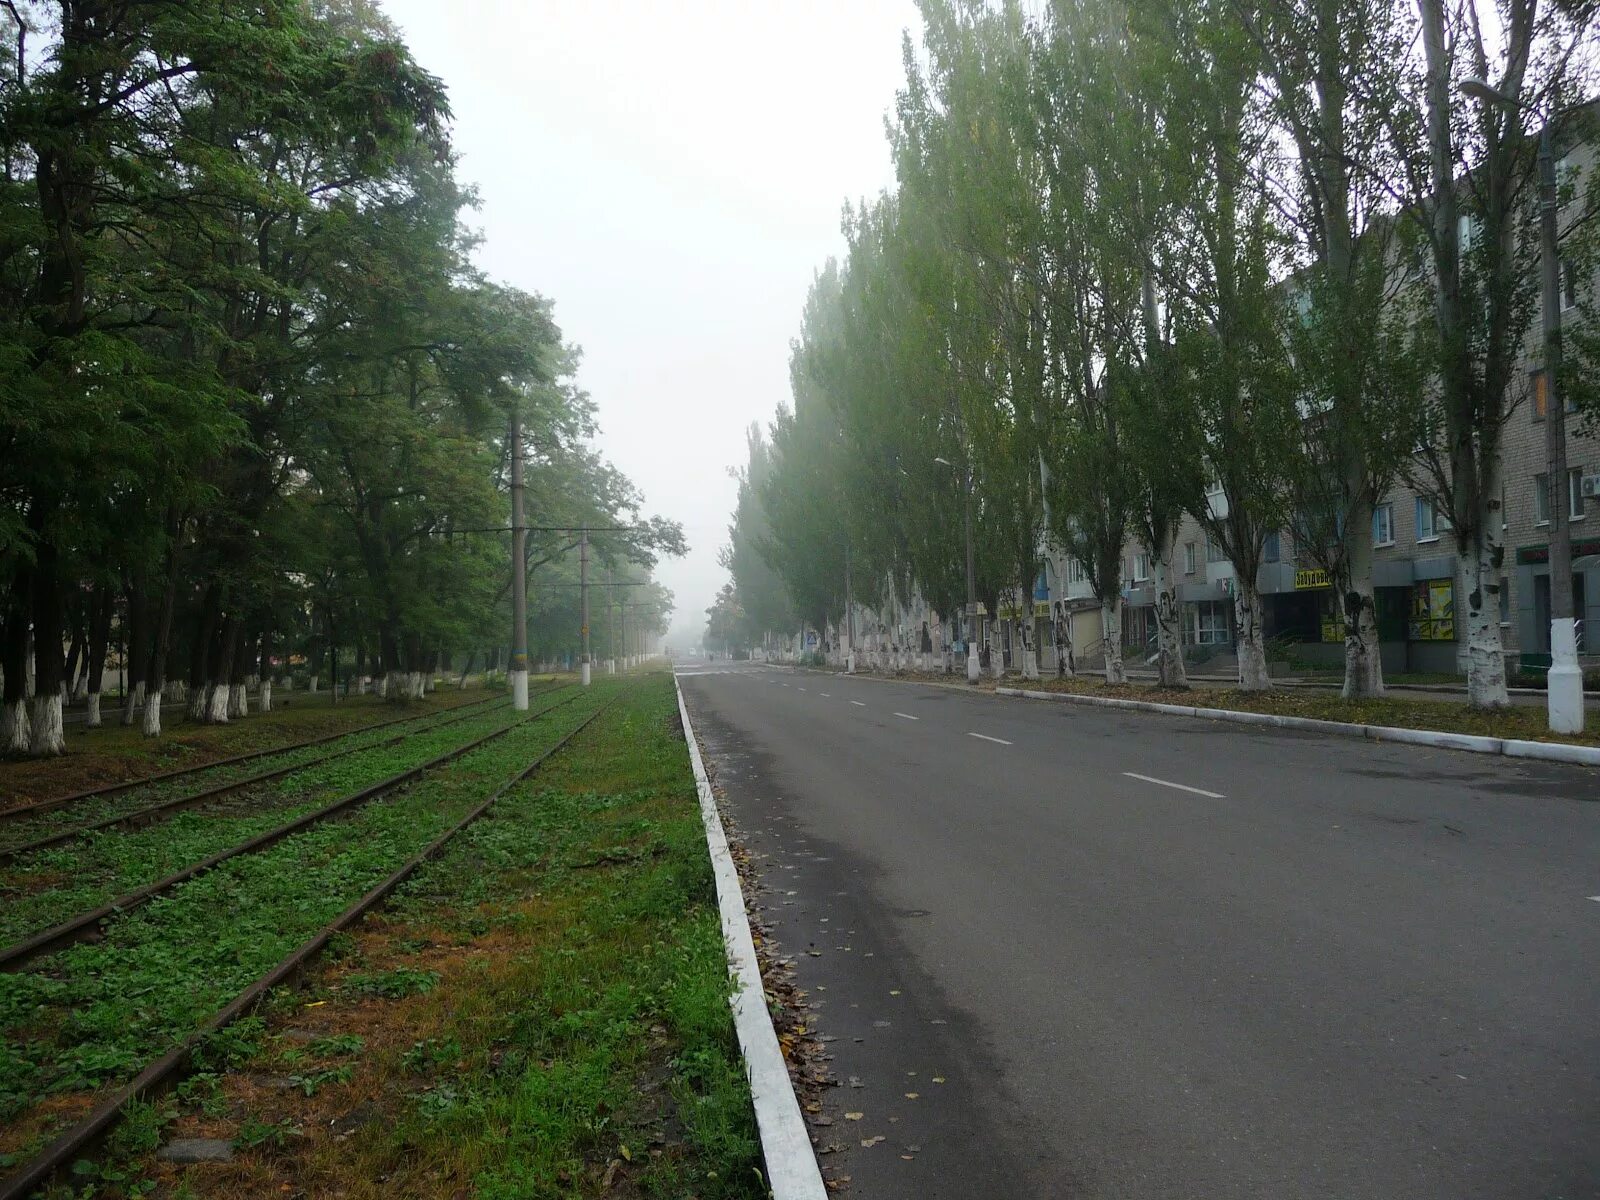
[
  {"x": 84, "y": 924},
  {"x": 68, "y": 1146},
  {"x": 168, "y": 806},
  {"x": 35, "y": 807}
]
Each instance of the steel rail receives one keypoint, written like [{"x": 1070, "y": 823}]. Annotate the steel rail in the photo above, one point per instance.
[
  {"x": 137, "y": 815},
  {"x": 166, "y": 1070},
  {"x": 127, "y": 785},
  {"x": 74, "y": 929}
]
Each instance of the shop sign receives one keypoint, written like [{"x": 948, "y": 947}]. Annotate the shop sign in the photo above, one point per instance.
[
  {"x": 1310, "y": 577},
  {"x": 1528, "y": 555}
]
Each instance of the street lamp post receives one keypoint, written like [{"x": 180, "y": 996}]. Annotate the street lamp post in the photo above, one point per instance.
[
  {"x": 974, "y": 669},
  {"x": 1564, "y": 686}
]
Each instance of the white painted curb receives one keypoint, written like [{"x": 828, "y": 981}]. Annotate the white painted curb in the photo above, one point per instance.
[
  {"x": 1588, "y": 756},
  {"x": 792, "y": 1172}
]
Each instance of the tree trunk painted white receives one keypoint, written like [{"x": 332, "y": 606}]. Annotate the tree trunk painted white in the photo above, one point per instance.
[
  {"x": 362, "y": 684},
  {"x": 419, "y": 684},
  {"x": 311, "y": 685},
  {"x": 200, "y": 702},
  {"x": 264, "y": 696},
  {"x": 1479, "y": 568},
  {"x": 1169, "y": 634},
  {"x": 152, "y": 716},
  {"x": 1486, "y": 654},
  {"x": 14, "y": 727},
  {"x": 1252, "y": 643},
  {"x": 217, "y": 704},
  {"x": 288, "y": 683},
  {"x": 134, "y": 705},
  {"x": 91, "y": 719},
  {"x": 1111, "y": 638},
  {"x": 1363, "y": 657},
  {"x": 997, "y": 653},
  {"x": 238, "y": 700},
  {"x": 47, "y": 737}
]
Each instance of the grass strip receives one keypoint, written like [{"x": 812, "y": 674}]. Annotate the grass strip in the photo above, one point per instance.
[
  {"x": 52, "y": 885},
  {"x": 1528, "y": 722},
  {"x": 543, "y": 1011},
  {"x": 117, "y": 754},
  {"x": 93, "y": 1014},
  {"x": 24, "y": 830}
]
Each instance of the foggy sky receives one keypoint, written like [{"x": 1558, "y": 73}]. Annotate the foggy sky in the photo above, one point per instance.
[{"x": 671, "y": 174}]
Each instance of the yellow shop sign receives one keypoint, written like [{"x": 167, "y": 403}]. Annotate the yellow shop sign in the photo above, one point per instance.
[{"x": 1314, "y": 577}]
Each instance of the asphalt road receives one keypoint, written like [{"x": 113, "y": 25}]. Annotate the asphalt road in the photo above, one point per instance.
[{"x": 1065, "y": 952}]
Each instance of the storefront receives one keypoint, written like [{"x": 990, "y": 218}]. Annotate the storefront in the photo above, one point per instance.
[{"x": 1533, "y": 602}]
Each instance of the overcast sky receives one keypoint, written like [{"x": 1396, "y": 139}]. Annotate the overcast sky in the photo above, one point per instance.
[{"x": 670, "y": 173}]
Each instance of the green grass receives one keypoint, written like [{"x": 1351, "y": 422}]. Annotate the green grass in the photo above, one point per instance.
[
  {"x": 94, "y": 1013},
  {"x": 624, "y": 973},
  {"x": 1521, "y": 721},
  {"x": 576, "y": 1039},
  {"x": 95, "y": 808},
  {"x": 115, "y": 753},
  {"x": 111, "y": 862}
]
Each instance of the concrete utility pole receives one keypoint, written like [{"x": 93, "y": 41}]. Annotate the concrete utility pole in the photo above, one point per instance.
[
  {"x": 611, "y": 623},
  {"x": 519, "y": 575},
  {"x": 583, "y": 593},
  {"x": 1564, "y": 684}
]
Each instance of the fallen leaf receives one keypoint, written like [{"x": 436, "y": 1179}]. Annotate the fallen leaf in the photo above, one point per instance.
[
  {"x": 938, "y": 1078},
  {"x": 894, "y": 991},
  {"x": 870, "y": 1142},
  {"x": 854, "y": 1116},
  {"x": 911, "y": 1095}
]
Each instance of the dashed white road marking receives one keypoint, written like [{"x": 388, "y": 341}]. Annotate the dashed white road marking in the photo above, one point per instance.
[
  {"x": 802, "y": 689},
  {"x": 987, "y": 738},
  {"x": 858, "y": 704},
  {"x": 908, "y": 716},
  {"x": 1596, "y": 899},
  {"x": 1182, "y": 787},
  {"x": 825, "y": 695}
]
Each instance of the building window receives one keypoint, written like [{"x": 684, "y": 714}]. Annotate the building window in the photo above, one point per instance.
[
  {"x": 1569, "y": 286},
  {"x": 1141, "y": 567},
  {"x": 1383, "y": 525},
  {"x": 1214, "y": 552},
  {"x": 1430, "y": 521},
  {"x": 1074, "y": 571},
  {"x": 1541, "y": 398},
  {"x": 1272, "y": 548},
  {"x": 1211, "y": 626},
  {"x": 1189, "y": 558},
  {"x": 1541, "y": 496},
  {"x": 1433, "y": 611}
]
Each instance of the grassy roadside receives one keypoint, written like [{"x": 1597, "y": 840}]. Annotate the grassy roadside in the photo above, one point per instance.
[
  {"x": 114, "y": 754},
  {"x": 20, "y": 829},
  {"x": 48, "y": 886},
  {"x": 542, "y": 1013},
  {"x": 1526, "y": 722}
]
